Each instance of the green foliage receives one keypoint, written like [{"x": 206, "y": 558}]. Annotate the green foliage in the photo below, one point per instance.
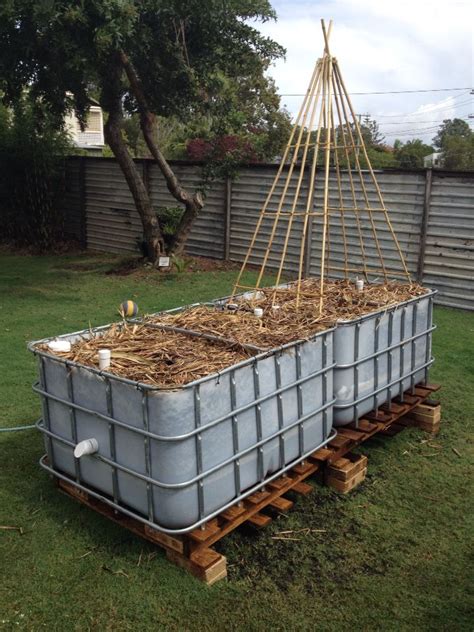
[
  {"x": 370, "y": 132},
  {"x": 32, "y": 154},
  {"x": 458, "y": 152},
  {"x": 410, "y": 155},
  {"x": 451, "y": 128},
  {"x": 181, "y": 264},
  {"x": 169, "y": 217},
  {"x": 456, "y": 140},
  {"x": 192, "y": 57},
  {"x": 381, "y": 157}
]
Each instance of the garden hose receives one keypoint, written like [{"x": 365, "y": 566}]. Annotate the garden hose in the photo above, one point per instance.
[{"x": 16, "y": 428}]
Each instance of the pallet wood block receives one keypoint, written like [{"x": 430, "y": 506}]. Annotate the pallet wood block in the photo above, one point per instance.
[
  {"x": 322, "y": 454},
  {"x": 302, "y": 488},
  {"x": 259, "y": 520},
  {"x": 432, "y": 428},
  {"x": 425, "y": 412},
  {"x": 355, "y": 435},
  {"x": 347, "y": 467},
  {"x": 281, "y": 504},
  {"x": 208, "y": 565},
  {"x": 422, "y": 391},
  {"x": 233, "y": 512},
  {"x": 278, "y": 483},
  {"x": 302, "y": 467},
  {"x": 202, "y": 534},
  {"x": 398, "y": 409},
  {"x": 344, "y": 487},
  {"x": 411, "y": 400},
  {"x": 379, "y": 416},
  {"x": 258, "y": 497}
]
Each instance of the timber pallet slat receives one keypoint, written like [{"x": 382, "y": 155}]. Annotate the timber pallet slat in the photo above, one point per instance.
[{"x": 341, "y": 470}]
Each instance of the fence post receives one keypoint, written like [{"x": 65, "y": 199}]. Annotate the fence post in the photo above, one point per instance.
[
  {"x": 309, "y": 227},
  {"x": 424, "y": 225},
  {"x": 227, "y": 217},
  {"x": 83, "y": 200}
]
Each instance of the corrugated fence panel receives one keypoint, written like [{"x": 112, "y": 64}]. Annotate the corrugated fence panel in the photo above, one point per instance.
[
  {"x": 449, "y": 265},
  {"x": 207, "y": 235},
  {"x": 403, "y": 195},
  {"x": 113, "y": 224},
  {"x": 72, "y": 201},
  {"x": 249, "y": 192}
]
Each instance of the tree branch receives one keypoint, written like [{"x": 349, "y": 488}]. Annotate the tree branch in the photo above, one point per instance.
[
  {"x": 113, "y": 132},
  {"x": 193, "y": 203}
]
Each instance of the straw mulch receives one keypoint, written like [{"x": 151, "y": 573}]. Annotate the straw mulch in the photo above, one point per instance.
[
  {"x": 155, "y": 357},
  {"x": 284, "y": 324},
  {"x": 171, "y": 359}
]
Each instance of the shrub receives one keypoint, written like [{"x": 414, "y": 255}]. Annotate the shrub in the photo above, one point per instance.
[{"x": 32, "y": 161}]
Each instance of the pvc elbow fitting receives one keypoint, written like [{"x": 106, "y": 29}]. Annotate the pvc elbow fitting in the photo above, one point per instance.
[{"x": 88, "y": 446}]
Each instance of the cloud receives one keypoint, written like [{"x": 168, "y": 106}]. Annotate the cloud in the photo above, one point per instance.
[{"x": 383, "y": 45}]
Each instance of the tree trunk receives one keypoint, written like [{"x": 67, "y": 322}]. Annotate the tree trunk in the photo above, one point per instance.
[
  {"x": 192, "y": 203},
  {"x": 153, "y": 238}
]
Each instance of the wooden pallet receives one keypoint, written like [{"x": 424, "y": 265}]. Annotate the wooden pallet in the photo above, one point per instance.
[
  {"x": 340, "y": 469},
  {"x": 346, "y": 473}
]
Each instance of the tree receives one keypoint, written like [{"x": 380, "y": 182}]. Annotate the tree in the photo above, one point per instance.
[
  {"x": 459, "y": 152},
  {"x": 451, "y": 127},
  {"x": 166, "y": 58},
  {"x": 410, "y": 155},
  {"x": 370, "y": 132}
]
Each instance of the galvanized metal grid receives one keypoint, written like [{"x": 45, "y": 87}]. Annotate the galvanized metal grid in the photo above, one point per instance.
[
  {"x": 392, "y": 387},
  {"x": 148, "y": 437}
]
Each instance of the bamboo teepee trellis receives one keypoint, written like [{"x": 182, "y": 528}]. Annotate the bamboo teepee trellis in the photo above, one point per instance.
[{"x": 339, "y": 146}]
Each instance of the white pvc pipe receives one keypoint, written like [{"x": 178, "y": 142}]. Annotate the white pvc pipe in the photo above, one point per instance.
[
  {"x": 88, "y": 446},
  {"x": 104, "y": 359}
]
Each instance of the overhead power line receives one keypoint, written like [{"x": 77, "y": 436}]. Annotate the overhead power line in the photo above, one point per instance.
[
  {"x": 415, "y": 122},
  {"x": 388, "y": 92}
]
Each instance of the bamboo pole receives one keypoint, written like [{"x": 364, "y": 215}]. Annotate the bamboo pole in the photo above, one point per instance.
[
  {"x": 339, "y": 188},
  {"x": 288, "y": 179},
  {"x": 301, "y": 174},
  {"x": 359, "y": 170},
  {"x": 275, "y": 181},
  {"x": 309, "y": 202},
  {"x": 371, "y": 171},
  {"x": 326, "y": 177},
  {"x": 342, "y": 124}
]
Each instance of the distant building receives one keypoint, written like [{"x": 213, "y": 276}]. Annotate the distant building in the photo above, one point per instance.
[
  {"x": 435, "y": 160},
  {"x": 92, "y": 138}
]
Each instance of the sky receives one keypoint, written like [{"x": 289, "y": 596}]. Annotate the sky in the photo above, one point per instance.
[{"x": 383, "y": 45}]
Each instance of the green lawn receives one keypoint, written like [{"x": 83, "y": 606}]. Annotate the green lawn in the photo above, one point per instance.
[{"x": 393, "y": 555}]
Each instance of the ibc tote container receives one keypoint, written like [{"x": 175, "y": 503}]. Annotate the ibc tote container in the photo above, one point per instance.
[
  {"x": 380, "y": 355},
  {"x": 174, "y": 458}
]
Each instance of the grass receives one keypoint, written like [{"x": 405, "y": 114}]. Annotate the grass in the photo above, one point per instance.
[{"x": 393, "y": 555}]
